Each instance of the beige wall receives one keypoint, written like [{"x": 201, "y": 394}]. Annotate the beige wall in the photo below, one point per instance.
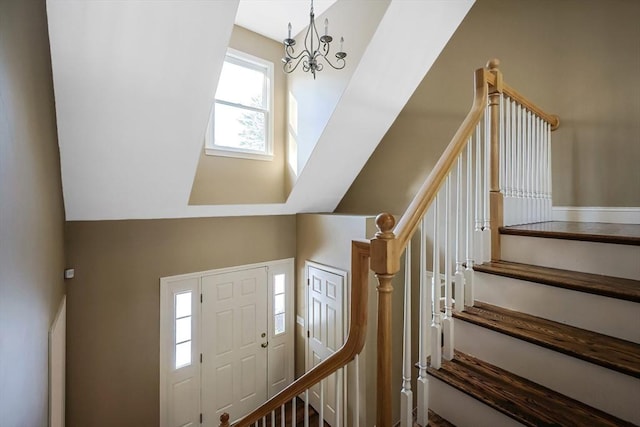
[
  {"x": 579, "y": 59},
  {"x": 31, "y": 213},
  {"x": 227, "y": 180},
  {"x": 326, "y": 239},
  {"x": 114, "y": 302}
]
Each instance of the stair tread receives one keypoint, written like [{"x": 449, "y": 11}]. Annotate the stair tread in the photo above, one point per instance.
[
  {"x": 625, "y": 234},
  {"x": 613, "y": 353},
  {"x": 614, "y": 287},
  {"x": 436, "y": 420},
  {"x": 525, "y": 401}
]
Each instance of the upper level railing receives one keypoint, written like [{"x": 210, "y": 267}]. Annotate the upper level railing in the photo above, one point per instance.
[{"x": 496, "y": 168}]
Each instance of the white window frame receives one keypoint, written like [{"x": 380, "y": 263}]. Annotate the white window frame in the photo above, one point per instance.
[{"x": 253, "y": 62}]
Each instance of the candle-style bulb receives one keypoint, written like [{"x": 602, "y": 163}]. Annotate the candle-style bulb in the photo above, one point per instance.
[
  {"x": 289, "y": 30},
  {"x": 326, "y": 26}
]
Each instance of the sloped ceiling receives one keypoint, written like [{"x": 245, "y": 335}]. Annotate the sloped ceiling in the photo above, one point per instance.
[{"x": 134, "y": 82}]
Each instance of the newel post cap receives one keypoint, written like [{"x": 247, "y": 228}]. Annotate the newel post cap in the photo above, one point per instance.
[
  {"x": 385, "y": 223},
  {"x": 493, "y": 64}
]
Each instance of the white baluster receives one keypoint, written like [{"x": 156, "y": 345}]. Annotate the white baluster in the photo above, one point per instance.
[
  {"x": 478, "y": 196},
  {"x": 447, "y": 322},
  {"x": 539, "y": 171},
  {"x": 283, "y": 415},
  {"x": 521, "y": 145},
  {"x": 549, "y": 191},
  {"x": 294, "y": 412},
  {"x": 487, "y": 174},
  {"x": 507, "y": 160},
  {"x": 529, "y": 166},
  {"x": 406, "y": 395},
  {"x": 306, "y": 408},
  {"x": 513, "y": 215},
  {"x": 338, "y": 375},
  {"x": 273, "y": 418},
  {"x": 501, "y": 155},
  {"x": 357, "y": 398},
  {"x": 486, "y": 228},
  {"x": 321, "y": 419},
  {"x": 422, "y": 383},
  {"x": 469, "y": 297},
  {"x": 436, "y": 327},
  {"x": 459, "y": 276}
]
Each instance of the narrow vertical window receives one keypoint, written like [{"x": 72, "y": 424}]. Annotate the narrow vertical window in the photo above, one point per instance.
[
  {"x": 279, "y": 304},
  {"x": 182, "y": 327}
]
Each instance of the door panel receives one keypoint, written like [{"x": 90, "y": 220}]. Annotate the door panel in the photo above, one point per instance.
[
  {"x": 326, "y": 336},
  {"x": 234, "y": 367}
]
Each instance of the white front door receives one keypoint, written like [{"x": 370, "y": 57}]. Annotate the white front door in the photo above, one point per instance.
[
  {"x": 226, "y": 341},
  {"x": 326, "y": 336},
  {"x": 234, "y": 348}
]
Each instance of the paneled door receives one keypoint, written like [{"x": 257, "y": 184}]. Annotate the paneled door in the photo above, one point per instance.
[
  {"x": 234, "y": 348},
  {"x": 326, "y": 336},
  {"x": 226, "y": 341}
]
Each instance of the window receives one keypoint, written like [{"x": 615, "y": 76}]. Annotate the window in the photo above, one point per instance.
[
  {"x": 279, "y": 304},
  {"x": 183, "y": 329},
  {"x": 241, "y": 122}
]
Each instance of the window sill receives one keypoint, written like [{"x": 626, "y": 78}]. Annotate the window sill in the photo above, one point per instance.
[{"x": 238, "y": 154}]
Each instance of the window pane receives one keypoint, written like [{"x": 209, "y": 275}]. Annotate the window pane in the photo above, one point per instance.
[
  {"x": 278, "y": 304},
  {"x": 183, "y": 304},
  {"x": 278, "y": 327},
  {"x": 239, "y": 128},
  {"x": 278, "y": 284},
  {"x": 183, "y": 354},
  {"x": 183, "y": 329},
  {"x": 241, "y": 85}
]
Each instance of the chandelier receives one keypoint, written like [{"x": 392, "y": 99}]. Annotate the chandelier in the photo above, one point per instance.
[{"x": 315, "y": 48}]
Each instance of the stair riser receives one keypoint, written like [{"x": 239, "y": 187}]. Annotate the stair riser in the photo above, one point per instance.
[
  {"x": 462, "y": 410},
  {"x": 602, "y": 388},
  {"x": 609, "y": 316},
  {"x": 589, "y": 257}
]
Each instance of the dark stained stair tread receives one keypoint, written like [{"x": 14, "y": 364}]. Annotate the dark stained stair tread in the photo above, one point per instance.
[
  {"x": 436, "y": 420},
  {"x": 613, "y": 353},
  {"x": 614, "y": 287},
  {"x": 527, "y": 402},
  {"x": 625, "y": 234}
]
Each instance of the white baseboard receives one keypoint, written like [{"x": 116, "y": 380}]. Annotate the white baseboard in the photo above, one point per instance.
[{"x": 621, "y": 215}]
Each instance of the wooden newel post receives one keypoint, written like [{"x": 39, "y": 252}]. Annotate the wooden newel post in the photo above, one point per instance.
[
  {"x": 224, "y": 420},
  {"x": 385, "y": 262},
  {"x": 496, "y": 201}
]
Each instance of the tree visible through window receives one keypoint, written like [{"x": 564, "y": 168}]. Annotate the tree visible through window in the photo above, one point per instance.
[{"x": 241, "y": 117}]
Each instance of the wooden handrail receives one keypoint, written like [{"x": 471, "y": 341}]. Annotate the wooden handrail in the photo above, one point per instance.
[
  {"x": 429, "y": 189},
  {"x": 352, "y": 346},
  {"x": 552, "y": 119}
]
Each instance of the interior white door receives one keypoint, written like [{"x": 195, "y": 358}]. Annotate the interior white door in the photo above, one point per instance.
[
  {"x": 326, "y": 336},
  {"x": 234, "y": 344}
]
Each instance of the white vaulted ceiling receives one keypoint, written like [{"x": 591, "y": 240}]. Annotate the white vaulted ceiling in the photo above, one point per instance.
[{"x": 134, "y": 81}]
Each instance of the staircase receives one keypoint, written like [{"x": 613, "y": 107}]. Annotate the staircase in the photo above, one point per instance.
[{"x": 544, "y": 346}]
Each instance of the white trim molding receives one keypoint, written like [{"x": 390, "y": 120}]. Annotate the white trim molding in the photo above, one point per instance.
[{"x": 618, "y": 215}]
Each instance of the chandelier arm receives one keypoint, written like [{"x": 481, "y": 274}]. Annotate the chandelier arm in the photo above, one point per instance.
[
  {"x": 292, "y": 68},
  {"x": 292, "y": 57}
]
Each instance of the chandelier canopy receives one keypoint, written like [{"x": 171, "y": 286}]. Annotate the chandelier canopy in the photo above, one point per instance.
[{"x": 316, "y": 48}]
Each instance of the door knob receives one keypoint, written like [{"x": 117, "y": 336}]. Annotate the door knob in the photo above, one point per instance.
[{"x": 264, "y": 344}]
